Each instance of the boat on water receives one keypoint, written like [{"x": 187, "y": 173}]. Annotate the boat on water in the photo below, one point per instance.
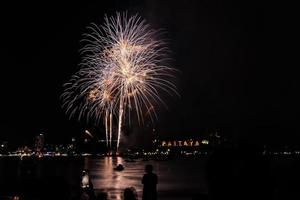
[{"x": 119, "y": 167}]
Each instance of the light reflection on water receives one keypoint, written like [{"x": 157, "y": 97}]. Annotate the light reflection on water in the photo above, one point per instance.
[{"x": 177, "y": 175}]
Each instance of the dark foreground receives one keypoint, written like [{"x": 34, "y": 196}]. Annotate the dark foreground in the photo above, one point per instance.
[{"x": 224, "y": 174}]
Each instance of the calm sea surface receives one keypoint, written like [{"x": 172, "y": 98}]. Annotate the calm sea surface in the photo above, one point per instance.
[{"x": 178, "y": 178}]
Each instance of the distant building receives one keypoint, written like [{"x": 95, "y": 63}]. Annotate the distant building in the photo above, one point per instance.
[
  {"x": 3, "y": 147},
  {"x": 72, "y": 147},
  {"x": 39, "y": 143}
]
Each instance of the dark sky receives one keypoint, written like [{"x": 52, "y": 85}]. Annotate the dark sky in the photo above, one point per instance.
[{"x": 231, "y": 54}]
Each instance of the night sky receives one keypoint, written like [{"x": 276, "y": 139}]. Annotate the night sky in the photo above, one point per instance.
[{"x": 234, "y": 72}]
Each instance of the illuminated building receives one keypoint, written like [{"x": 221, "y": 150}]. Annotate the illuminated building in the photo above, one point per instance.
[
  {"x": 39, "y": 143},
  {"x": 3, "y": 147}
]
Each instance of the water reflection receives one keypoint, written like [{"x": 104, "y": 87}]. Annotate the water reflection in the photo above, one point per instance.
[
  {"x": 175, "y": 175},
  {"x": 181, "y": 176},
  {"x": 105, "y": 178}
]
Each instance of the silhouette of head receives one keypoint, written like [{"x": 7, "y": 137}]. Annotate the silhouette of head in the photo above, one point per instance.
[
  {"x": 129, "y": 194},
  {"x": 85, "y": 172},
  {"x": 149, "y": 168}
]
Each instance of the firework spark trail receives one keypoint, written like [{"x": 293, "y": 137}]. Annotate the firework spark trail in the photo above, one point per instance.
[
  {"x": 121, "y": 110},
  {"x": 106, "y": 126},
  {"x": 110, "y": 129},
  {"x": 122, "y": 71}
]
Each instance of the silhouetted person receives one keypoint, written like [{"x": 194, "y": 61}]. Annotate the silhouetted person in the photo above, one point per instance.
[
  {"x": 130, "y": 194},
  {"x": 87, "y": 185},
  {"x": 150, "y": 182}
]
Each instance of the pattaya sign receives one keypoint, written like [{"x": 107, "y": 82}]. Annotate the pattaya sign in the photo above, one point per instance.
[{"x": 187, "y": 143}]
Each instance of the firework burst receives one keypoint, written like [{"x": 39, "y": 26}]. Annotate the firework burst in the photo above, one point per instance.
[{"x": 122, "y": 72}]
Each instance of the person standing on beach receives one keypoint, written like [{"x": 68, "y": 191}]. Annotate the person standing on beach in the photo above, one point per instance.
[{"x": 150, "y": 182}]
